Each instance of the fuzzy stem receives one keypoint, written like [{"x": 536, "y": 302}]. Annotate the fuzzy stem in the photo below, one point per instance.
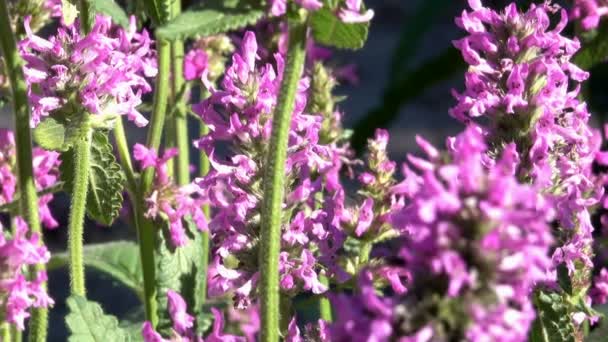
[
  {"x": 85, "y": 15},
  {"x": 122, "y": 147},
  {"x": 274, "y": 185},
  {"x": 6, "y": 332},
  {"x": 204, "y": 169},
  {"x": 23, "y": 140},
  {"x": 324, "y": 304},
  {"x": 146, "y": 230},
  {"x": 82, "y": 161},
  {"x": 180, "y": 118}
]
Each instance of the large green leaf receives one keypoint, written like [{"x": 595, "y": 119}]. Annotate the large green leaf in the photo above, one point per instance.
[
  {"x": 159, "y": 11},
  {"x": 178, "y": 269},
  {"x": 106, "y": 179},
  {"x": 331, "y": 31},
  {"x": 88, "y": 323},
  {"x": 553, "y": 323},
  {"x": 112, "y": 9},
  {"x": 215, "y": 17},
  {"x": 119, "y": 259}
]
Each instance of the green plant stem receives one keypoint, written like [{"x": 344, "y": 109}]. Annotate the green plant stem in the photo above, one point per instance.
[
  {"x": 364, "y": 252},
  {"x": 6, "y": 332},
  {"x": 23, "y": 140},
  {"x": 17, "y": 334},
  {"x": 180, "y": 117},
  {"x": 204, "y": 169},
  {"x": 84, "y": 11},
  {"x": 146, "y": 229},
  {"x": 324, "y": 304},
  {"x": 82, "y": 161},
  {"x": 274, "y": 185},
  {"x": 122, "y": 147}
]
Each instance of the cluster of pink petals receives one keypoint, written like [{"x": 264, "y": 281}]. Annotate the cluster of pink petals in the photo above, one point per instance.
[
  {"x": 351, "y": 11},
  {"x": 46, "y": 175},
  {"x": 104, "y": 70},
  {"x": 18, "y": 250},
  {"x": 521, "y": 72},
  {"x": 239, "y": 113},
  {"x": 196, "y": 63},
  {"x": 169, "y": 201},
  {"x": 589, "y": 12},
  {"x": 183, "y": 325},
  {"x": 457, "y": 218}
]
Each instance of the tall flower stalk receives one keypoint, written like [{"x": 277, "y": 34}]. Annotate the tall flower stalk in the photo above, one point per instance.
[
  {"x": 274, "y": 184},
  {"x": 23, "y": 141}
]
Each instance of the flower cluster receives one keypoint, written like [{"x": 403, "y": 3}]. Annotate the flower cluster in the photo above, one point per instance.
[
  {"x": 349, "y": 11},
  {"x": 475, "y": 243},
  {"x": 206, "y": 60},
  {"x": 589, "y": 12},
  {"x": 17, "y": 293},
  {"x": 240, "y": 113},
  {"x": 169, "y": 201},
  {"x": 102, "y": 72},
  {"x": 522, "y": 83},
  {"x": 46, "y": 175}
]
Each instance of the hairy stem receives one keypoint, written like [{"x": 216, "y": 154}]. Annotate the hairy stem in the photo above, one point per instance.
[
  {"x": 124, "y": 155},
  {"x": 146, "y": 230},
  {"x": 204, "y": 169},
  {"x": 23, "y": 140},
  {"x": 86, "y": 20},
  {"x": 274, "y": 185},
  {"x": 82, "y": 161},
  {"x": 180, "y": 117}
]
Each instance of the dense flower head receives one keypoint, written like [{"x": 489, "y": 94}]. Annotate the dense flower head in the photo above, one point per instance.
[
  {"x": 18, "y": 294},
  {"x": 349, "y": 11},
  {"x": 167, "y": 200},
  {"x": 239, "y": 114},
  {"x": 522, "y": 86},
  {"x": 46, "y": 175},
  {"x": 589, "y": 12},
  {"x": 100, "y": 73},
  {"x": 475, "y": 243}
]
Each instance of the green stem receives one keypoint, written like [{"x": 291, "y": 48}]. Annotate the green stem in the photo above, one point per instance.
[
  {"x": 23, "y": 140},
  {"x": 82, "y": 161},
  {"x": 146, "y": 229},
  {"x": 180, "y": 117},
  {"x": 324, "y": 304},
  {"x": 17, "y": 334},
  {"x": 204, "y": 169},
  {"x": 6, "y": 332},
  {"x": 85, "y": 15},
  {"x": 274, "y": 185},
  {"x": 364, "y": 252},
  {"x": 122, "y": 147}
]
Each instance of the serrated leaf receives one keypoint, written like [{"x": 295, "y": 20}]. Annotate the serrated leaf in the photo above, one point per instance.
[
  {"x": 111, "y": 9},
  {"x": 88, "y": 323},
  {"x": 177, "y": 269},
  {"x": 106, "y": 180},
  {"x": 329, "y": 30},
  {"x": 159, "y": 11},
  {"x": 119, "y": 259},
  {"x": 216, "y": 17},
  {"x": 55, "y": 135},
  {"x": 553, "y": 323}
]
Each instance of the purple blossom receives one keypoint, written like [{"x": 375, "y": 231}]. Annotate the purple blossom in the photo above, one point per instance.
[
  {"x": 46, "y": 175},
  {"x": 168, "y": 201},
  {"x": 105, "y": 70},
  {"x": 17, "y": 251},
  {"x": 524, "y": 85},
  {"x": 196, "y": 63},
  {"x": 589, "y": 12}
]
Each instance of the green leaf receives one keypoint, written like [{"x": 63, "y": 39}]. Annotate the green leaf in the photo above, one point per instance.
[
  {"x": 159, "y": 11},
  {"x": 331, "y": 31},
  {"x": 553, "y": 323},
  {"x": 594, "y": 51},
  {"x": 55, "y": 135},
  {"x": 88, "y": 323},
  {"x": 216, "y": 17},
  {"x": 119, "y": 259},
  {"x": 106, "y": 180},
  {"x": 177, "y": 269},
  {"x": 112, "y": 9}
]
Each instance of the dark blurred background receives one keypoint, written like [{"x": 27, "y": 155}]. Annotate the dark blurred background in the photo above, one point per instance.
[{"x": 406, "y": 72}]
